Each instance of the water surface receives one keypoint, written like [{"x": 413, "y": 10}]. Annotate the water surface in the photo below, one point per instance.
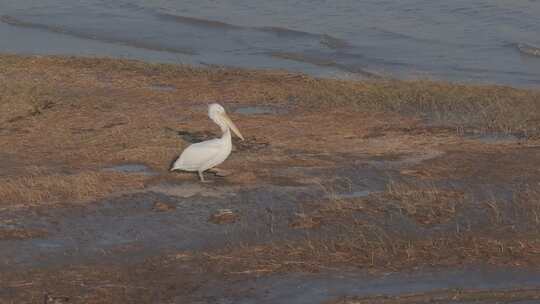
[{"x": 484, "y": 41}]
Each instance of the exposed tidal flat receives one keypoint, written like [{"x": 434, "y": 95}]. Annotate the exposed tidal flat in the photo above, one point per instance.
[{"x": 344, "y": 191}]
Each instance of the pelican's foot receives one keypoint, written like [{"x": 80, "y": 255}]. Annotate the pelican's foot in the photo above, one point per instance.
[
  {"x": 204, "y": 181},
  {"x": 220, "y": 172}
]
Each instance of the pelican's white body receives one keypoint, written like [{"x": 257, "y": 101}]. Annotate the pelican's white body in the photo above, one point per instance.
[
  {"x": 208, "y": 154},
  {"x": 205, "y": 155}
]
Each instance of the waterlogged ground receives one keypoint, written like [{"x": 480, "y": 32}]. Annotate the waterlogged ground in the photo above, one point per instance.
[{"x": 324, "y": 202}]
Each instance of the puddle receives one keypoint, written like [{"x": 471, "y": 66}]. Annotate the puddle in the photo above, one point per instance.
[
  {"x": 162, "y": 87},
  {"x": 187, "y": 190},
  {"x": 354, "y": 194},
  {"x": 353, "y": 181},
  {"x": 100, "y": 230},
  {"x": 259, "y": 110},
  {"x": 334, "y": 286},
  {"x": 396, "y": 161},
  {"x": 250, "y": 143},
  {"x": 246, "y": 110},
  {"x": 495, "y": 138},
  {"x": 131, "y": 168}
]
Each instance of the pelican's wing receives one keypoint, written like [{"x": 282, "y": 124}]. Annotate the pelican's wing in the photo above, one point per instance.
[{"x": 196, "y": 155}]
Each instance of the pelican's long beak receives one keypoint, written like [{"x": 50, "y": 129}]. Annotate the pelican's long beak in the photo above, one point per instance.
[{"x": 232, "y": 126}]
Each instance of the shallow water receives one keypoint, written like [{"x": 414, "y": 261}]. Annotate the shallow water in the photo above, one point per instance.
[
  {"x": 323, "y": 288},
  {"x": 496, "y": 138},
  {"x": 131, "y": 168},
  {"x": 129, "y": 227},
  {"x": 257, "y": 110},
  {"x": 491, "y": 41}
]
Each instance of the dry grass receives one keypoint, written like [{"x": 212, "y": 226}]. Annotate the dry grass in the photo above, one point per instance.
[
  {"x": 522, "y": 213},
  {"x": 375, "y": 254},
  {"x": 54, "y": 188},
  {"x": 96, "y": 111},
  {"x": 20, "y": 234},
  {"x": 423, "y": 202},
  {"x": 449, "y": 296},
  {"x": 527, "y": 204},
  {"x": 177, "y": 277},
  {"x": 427, "y": 204},
  {"x": 21, "y": 100},
  {"x": 152, "y": 282},
  {"x": 491, "y": 108}
]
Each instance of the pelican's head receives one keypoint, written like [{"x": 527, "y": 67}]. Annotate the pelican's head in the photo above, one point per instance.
[{"x": 217, "y": 113}]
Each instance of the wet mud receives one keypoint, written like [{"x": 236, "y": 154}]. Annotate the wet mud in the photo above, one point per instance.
[
  {"x": 345, "y": 287},
  {"x": 169, "y": 217},
  {"x": 316, "y": 205}
]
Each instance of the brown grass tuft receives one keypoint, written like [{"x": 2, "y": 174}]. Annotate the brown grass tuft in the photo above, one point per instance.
[
  {"x": 53, "y": 188},
  {"x": 427, "y": 204}
]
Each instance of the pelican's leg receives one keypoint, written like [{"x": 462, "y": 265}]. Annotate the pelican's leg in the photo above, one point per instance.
[{"x": 201, "y": 176}]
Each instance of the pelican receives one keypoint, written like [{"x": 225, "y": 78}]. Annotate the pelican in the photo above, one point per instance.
[{"x": 210, "y": 153}]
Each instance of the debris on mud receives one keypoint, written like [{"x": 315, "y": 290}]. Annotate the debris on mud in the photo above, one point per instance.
[
  {"x": 304, "y": 221},
  {"x": 50, "y": 299},
  {"x": 250, "y": 144},
  {"x": 20, "y": 234},
  {"x": 196, "y": 136},
  {"x": 224, "y": 216},
  {"x": 162, "y": 206}
]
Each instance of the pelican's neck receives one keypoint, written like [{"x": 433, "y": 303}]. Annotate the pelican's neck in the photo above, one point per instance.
[
  {"x": 226, "y": 133},
  {"x": 225, "y": 130},
  {"x": 226, "y": 139},
  {"x": 222, "y": 125}
]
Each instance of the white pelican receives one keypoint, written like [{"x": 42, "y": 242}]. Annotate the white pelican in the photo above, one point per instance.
[{"x": 210, "y": 153}]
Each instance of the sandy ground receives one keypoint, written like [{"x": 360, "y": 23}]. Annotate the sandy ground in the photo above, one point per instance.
[{"x": 342, "y": 192}]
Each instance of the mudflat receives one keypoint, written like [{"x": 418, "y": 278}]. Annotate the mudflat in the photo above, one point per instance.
[{"x": 343, "y": 192}]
